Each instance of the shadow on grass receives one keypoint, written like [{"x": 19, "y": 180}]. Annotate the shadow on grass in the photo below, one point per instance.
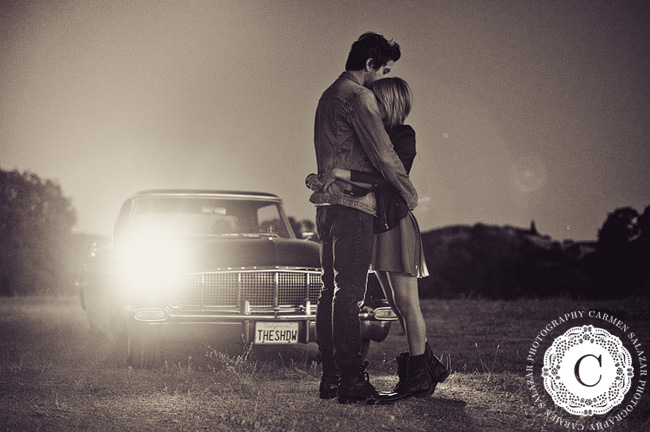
[{"x": 433, "y": 413}]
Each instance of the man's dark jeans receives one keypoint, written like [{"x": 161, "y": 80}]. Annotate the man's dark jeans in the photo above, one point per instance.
[{"x": 346, "y": 237}]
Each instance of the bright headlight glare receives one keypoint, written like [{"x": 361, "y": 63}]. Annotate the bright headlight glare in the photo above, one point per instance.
[{"x": 149, "y": 264}]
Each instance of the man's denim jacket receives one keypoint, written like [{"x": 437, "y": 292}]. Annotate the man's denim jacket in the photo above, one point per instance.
[{"x": 349, "y": 134}]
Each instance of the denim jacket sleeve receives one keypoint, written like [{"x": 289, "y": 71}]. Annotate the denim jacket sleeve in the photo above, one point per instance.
[
  {"x": 366, "y": 177},
  {"x": 366, "y": 120}
]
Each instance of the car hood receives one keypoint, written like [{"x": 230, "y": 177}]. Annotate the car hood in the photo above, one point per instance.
[{"x": 210, "y": 254}]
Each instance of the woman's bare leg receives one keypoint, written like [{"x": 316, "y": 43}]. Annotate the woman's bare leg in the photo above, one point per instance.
[{"x": 404, "y": 289}]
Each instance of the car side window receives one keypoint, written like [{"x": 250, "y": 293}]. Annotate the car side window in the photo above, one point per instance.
[
  {"x": 270, "y": 222},
  {"x": 122, "y": 219},
  {"x": 225, "y": 224}
]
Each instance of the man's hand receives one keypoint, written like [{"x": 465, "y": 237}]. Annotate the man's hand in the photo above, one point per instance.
[
  {"x": 313, "y": 182},
  {"x": 320, "y": 183},
  {"x": 327, "y": 179}
]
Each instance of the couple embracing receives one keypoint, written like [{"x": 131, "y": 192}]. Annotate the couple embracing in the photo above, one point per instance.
[{"x": 364, "y": 198}]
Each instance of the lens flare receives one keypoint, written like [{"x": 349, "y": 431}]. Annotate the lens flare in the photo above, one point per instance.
[{"x": 529, "y": 174}]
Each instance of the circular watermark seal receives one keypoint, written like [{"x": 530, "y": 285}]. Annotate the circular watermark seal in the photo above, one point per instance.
[{"x": 586, "y": 370}]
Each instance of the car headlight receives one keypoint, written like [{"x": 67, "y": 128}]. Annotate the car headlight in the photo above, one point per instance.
[{"x": 149, "y": 265}]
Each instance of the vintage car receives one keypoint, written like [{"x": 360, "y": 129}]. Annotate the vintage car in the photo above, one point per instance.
[{"x": 208, "y": 265}]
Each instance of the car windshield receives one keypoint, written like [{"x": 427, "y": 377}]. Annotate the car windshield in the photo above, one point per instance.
[{"x": 207, "y": 216}]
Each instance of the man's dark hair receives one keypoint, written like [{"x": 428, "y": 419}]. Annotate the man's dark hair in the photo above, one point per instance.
[{"x": 374, "y": 46}]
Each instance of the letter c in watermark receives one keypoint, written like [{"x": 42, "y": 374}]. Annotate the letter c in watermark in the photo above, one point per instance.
[{"x": 576, "y": 370}]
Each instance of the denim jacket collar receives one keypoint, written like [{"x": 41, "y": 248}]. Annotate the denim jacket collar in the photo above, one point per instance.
[{"x": 349, "y": 76}]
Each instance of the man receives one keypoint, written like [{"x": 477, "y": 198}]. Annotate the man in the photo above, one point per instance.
[{"x": 349, "y": 134}]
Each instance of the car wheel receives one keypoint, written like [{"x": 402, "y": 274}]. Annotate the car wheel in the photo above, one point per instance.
[
  {"x": 142, "y": 352},
  {"x": 365, "y": 347}
]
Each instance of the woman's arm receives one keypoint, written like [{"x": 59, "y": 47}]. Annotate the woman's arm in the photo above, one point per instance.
[
  {"x": 351, "y": 177},
  {"x": 372, "y": 179},
  {"x": 320, "y": 183},
  {"x": 403, "y": 139}
]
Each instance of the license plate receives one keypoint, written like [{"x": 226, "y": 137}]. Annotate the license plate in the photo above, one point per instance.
[{"x": 276, "y": 332}]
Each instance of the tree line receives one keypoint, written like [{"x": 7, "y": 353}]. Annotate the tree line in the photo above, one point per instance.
[
  {"x": 36, "y": 243},
  {"x": 40, "y": 254},
  {"x": 507, "y": 263}
]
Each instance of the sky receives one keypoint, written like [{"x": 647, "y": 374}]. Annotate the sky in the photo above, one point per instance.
[{"x": 523, "y": 110}]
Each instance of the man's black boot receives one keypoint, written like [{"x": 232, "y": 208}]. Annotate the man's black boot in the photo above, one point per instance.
[
  {"x": 355, "y": 385},
  {"x": 329, "y": 384}
]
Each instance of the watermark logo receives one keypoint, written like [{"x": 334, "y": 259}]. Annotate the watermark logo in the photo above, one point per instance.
[{"x": 587, "y": 371}]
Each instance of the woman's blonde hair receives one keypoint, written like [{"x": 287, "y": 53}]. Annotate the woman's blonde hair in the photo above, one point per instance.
[{"x": 395, "y": 96}]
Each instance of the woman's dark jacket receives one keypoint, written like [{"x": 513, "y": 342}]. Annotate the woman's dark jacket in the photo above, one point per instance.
[{"x": 391, "y": 207}]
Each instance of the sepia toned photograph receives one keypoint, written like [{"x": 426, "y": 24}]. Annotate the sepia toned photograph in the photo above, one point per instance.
[{"x": 300, "y": 215}]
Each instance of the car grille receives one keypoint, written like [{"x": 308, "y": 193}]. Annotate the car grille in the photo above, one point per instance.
[{"x": 262, "y": 288}]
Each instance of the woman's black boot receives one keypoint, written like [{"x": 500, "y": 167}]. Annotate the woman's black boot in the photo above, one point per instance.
[
  {"x": 401, "y": 370},
  {"x": 414, "y": 381},
  {"x": 435, "y": 369},
  {"x": 419, "y": 383}
]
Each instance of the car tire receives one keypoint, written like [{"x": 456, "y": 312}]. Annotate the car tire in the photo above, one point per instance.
[{"x": 143, "y": 353}]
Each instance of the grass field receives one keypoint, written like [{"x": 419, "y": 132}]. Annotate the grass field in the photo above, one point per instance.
[{"x": 55, "y": 376}]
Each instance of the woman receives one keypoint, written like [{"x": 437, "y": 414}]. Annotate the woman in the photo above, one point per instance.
[{"x": 398, "y": 259}]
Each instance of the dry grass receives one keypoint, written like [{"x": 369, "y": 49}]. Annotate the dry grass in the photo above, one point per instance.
[{"x": 55, "y": 376}]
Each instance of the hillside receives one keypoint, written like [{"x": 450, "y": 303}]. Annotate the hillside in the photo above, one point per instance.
[{"x": 502, "y": 262}]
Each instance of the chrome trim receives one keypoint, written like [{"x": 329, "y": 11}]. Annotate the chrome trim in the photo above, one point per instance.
[
  {"x": 239, "y": 289},
  {"x": 240, "y": 318},
  {"x": 161, "y": 311},
  {"x": 205, "y": 194},
  {"x": 392, "y": 317},
  {"x": 276, "y": 291},
  {"x": 287, "y": 293},
  {"x": 307, "y": 307}
]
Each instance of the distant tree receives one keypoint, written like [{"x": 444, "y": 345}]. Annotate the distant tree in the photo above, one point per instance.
[
  {"x": 303, "y": 226},
  {"x": 36, "y": 223},
  {"x": 500, "y": 263},
  {"x": 308, "y": 226},
  {"x": 273, "y": 226},
  {"x": 620, "y": 264},
  {"x": 643, "y": 224},
  {"x": 295, "y": 226},
  {"x": 620, "y": 228},
  {"x": 641, "y": 252}
]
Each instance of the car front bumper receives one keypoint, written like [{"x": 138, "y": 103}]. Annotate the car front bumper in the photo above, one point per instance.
[{"x": 162, "y": 324}]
